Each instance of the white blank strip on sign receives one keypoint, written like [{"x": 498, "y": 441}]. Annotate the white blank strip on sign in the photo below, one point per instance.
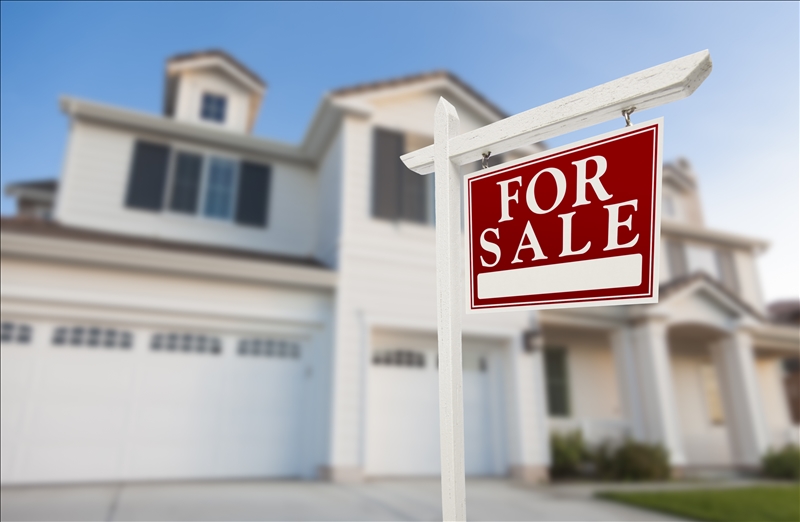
[{"x": 591, "y": 274}]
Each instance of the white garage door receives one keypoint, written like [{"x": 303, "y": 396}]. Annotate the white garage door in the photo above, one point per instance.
[
  {"x": 403, "y": 413},
  {"x": 85, "y": 402}
]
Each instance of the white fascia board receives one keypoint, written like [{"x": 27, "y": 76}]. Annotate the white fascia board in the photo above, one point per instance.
[
  {"x": 662, "y": 308},
  {"x": 152, "y": 259},
  {"x": 776, "y": 337},
  {"x": 43, "y": 196},
  {"x": 714, "y": 236},
  {"x": 82, "y": 109},
  {"x": 208, "y": 62},
  {"x": 326, "y": 122}
]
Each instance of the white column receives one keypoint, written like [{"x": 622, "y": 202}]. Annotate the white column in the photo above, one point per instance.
[
  {"x": 629, "y": 381},
  {"x": 531, "y": 435},
  {"x": 734, "y": 359},
  {"x": 657, "y": 392}
]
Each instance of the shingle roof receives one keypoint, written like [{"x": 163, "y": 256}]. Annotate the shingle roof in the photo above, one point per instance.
[
  {"x": 37, "y": 184},
  {"x": 52, "y": 229},
  {"x": 405, "y": 80}
]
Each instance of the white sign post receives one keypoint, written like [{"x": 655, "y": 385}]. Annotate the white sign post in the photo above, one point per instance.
[{"x": 643, "y": 90}]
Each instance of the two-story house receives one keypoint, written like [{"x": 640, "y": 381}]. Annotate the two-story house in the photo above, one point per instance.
[{"x": 188, "y": 300}]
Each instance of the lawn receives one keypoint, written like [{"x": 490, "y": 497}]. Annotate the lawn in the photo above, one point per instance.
[{"x": 753, "y": 504}]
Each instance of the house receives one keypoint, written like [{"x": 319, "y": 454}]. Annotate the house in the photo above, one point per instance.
[{"x": 189, "y": 300}]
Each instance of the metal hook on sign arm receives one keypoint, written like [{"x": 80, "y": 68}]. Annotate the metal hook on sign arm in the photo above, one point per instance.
[
  {"x": 485, "y": 160},
  {"x": 626, "y": 113}
]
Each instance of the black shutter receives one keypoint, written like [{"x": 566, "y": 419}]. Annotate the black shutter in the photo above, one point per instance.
[
  {"x": 557, "y": 382},
  {"x": 147, "y": 177},
  {"x": 386, "y": 193},
  {"x": 414, "y": 200},
  {"x": 186, "y": 183},
  {"x": 253, "y": 196},
  {"x": 676, "y": 257}
]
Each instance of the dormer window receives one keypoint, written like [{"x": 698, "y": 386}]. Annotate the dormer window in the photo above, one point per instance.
[{"x": 213, "y": 108}]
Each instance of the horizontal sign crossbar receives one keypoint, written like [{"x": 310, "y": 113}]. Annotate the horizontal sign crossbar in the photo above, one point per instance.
[{"x": 652, "y": 87}]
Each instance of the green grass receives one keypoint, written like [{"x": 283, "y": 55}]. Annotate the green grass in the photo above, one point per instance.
[{"x": 753, "y": 504}]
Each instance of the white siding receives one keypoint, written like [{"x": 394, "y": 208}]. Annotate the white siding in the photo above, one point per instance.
[
  {"x": 95, "y": 180},
  {"x": 192, "y": 86},
  {"x": 387, "y": 272},
  {"x": 749, "y": 284},
  {"x": 329, "y": 208}
]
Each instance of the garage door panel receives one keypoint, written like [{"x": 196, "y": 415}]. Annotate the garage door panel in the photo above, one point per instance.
[
  {"x": 172, "y": 461},
  {"x": 403, "y": 413},
  {"x": 71, "y": 421},
  {"x": 63, "y": 461},
  {"x": 82, "y": 375},
  {"x": 73, "y": 413}
]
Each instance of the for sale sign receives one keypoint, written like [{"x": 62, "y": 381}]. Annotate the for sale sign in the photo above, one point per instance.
[{"x": 570, "y": 227}]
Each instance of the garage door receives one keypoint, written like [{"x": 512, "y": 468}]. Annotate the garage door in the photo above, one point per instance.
[
  {"x": 84, "y": 402},
  {"x": 403, "y": 411}
]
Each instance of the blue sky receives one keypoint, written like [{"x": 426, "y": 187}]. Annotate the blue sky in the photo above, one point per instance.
[{"x": 740, "y": 130}]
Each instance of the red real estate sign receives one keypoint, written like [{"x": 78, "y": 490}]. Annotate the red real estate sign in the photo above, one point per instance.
[{"x": 576, "y": 226}]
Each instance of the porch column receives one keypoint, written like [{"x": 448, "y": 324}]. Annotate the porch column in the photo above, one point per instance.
[
  {"x": 530, "y": 455},
  {"x": 629, "y": 381},
  {"x": 734, "y": 359},
  {"x": 659, "y": 415}
]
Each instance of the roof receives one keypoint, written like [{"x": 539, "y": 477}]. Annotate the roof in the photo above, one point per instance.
[
  {"x": 672, "y": 287},
  {"x": 55, "y": 230},
  {"x": 38, "y": 184},
  {"x": 414, "y": 78},
  {"x": 785, "y": 312},
  {"x": 218, "y": 53}
]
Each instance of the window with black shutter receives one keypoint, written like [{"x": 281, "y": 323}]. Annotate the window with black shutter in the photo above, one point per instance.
[
  {"x": 397, "y": 192},
  {"x": 253, "y": 195},
  {"x": 727, "y": 270},
  {"x": 148, "y": 176},
  {"x": 186, "y": 183},
  {"x": 676, "y": 257},
  {"x": 557, "y": 379}
]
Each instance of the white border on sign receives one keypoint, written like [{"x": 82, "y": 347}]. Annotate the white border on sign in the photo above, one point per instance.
[{"x": 655, "y": 235}]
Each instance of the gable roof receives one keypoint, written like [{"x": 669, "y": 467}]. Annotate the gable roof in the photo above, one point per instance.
[
  {"x": 672, "y": 288},
  {"x": 218, "y": 53},
  {"x": 417, "y": 78}
]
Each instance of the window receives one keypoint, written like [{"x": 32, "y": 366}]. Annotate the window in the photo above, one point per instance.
[
  {"x": 406, "y": 358},
  {"x": 220, "y": 188},
  {"x": 216, "y": 187},
  {"x": 148, "y": 176},
  {"x": 676, "y": 258},
  {"x": 186, "y": 182},
  {"x": 269, "y": 348},
  {"x": 15, "y": 333},
  {"x": 669, "y": 206},
  {"x": 213, "y": 108},
  {"x": 92, "y": 337},
  {"x": 726, "y": 266},
  {"x": 185, "y": 342},
  {"x": 397, "y": 192},
  {"x": 557, "y": 379}
]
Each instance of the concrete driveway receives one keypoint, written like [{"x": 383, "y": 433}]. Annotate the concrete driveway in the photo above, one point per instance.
[{"x": 279, "y": 500}]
